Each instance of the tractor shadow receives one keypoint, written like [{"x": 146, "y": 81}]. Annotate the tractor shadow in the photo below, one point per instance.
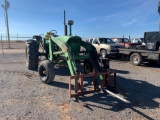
[{"x": 140, "y": 94}]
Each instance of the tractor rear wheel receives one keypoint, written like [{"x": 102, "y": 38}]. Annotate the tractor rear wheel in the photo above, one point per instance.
[
  {"x": 46, "y": 71},
  {"x": 88, "y": 67},
  {"x": 32, "y": 54}
]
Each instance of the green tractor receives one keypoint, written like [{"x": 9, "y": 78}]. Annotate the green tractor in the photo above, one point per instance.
[{"x": 62, "y": 50}]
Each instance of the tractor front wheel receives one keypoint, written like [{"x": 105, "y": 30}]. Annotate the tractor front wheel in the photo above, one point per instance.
[
  {"x": 88, "y": 67},
  {"x": 32, "y": 54},
  {"x": 46, "y": 71}
]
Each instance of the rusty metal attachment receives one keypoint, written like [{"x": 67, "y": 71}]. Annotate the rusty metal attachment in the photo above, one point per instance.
[
  {"x": 106, "y": 84},
  {"x": 106, "y": 81}
]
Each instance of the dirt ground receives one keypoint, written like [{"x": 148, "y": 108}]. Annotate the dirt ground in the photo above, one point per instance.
[{"x": 24, "y": 97}]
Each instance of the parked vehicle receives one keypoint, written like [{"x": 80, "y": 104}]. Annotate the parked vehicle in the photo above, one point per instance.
[
  {"x": 123, "y": 41},
  {"x": 138, "y": 40},
  {"x": 137, "y": 57},
  {"x": 105, "y": 46},
  {"x": 149, "y": 52}
]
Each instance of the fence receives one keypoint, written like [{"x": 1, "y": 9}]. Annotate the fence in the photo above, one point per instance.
[{"x": 16, "y": 37}]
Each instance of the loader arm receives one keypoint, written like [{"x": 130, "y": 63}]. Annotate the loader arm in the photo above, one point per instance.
[{"x": 65, "y": 53}]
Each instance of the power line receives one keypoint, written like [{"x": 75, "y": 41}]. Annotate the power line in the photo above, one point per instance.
[{"x": 6, "y": 6}]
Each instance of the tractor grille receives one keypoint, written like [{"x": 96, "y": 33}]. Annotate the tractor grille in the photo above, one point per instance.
[{"x": 74, "y": 45}]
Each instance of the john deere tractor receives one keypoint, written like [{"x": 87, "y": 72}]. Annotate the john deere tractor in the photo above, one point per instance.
[{"x": 63, "y": 50}]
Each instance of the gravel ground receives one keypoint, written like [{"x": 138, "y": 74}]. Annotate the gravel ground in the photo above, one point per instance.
[{"x": 24, "y": 97}]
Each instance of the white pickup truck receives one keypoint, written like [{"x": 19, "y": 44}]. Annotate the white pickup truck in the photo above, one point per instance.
[
  {"x": 138, "y": 40},
  {"x": 105, "y": 46}
]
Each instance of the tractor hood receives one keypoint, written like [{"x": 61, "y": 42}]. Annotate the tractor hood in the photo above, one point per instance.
[
  {"x": 71, "y": 42},
  {"x": 65, "y": 39}
]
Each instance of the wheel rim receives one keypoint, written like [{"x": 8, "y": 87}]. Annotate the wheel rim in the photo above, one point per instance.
[
  {"x": 135, "y": 59},
  {"x": 43, "y": 72}
]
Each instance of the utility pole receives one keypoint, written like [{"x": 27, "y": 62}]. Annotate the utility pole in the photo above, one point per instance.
[{"x": 6, "y": 6}]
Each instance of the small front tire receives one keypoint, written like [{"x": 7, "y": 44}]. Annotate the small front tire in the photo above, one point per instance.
[{"x": 46, "y": 71}]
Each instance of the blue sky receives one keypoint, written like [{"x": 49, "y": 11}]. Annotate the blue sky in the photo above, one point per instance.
[{"x": 92, "y": 18}]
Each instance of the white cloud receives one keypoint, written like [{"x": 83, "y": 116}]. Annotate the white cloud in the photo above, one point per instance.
[{"x": 129, "y": 22}]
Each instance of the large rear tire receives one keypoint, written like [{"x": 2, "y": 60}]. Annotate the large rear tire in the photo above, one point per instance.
[
  {"x": 136, "y": 59},
  {"x": 32, "y": 54},
  {"x": 46, "y": 71}
]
